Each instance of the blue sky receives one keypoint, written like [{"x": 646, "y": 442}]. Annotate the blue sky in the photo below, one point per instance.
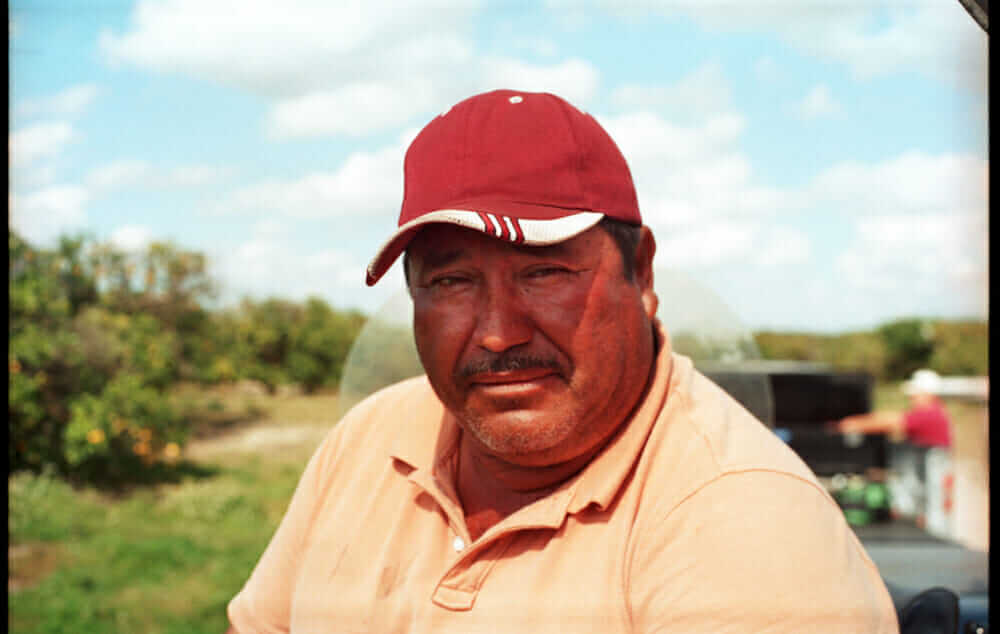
[{"x": 815, "y": 164}]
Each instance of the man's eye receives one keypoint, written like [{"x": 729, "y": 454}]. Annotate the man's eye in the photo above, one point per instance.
[
  {"x": 446, "y": 281},
  {"x": 546, "y": 271}
]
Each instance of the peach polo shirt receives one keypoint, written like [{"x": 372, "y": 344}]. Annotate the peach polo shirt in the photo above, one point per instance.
[{"x": 695, "y": 518}]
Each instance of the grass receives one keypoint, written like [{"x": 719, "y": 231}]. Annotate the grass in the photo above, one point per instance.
[{"x": 161, "y": 559}]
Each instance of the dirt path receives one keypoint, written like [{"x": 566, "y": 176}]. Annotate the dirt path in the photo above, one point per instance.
[
  {"x": 286, "y": 422},
  {"x": 259, "y": 438}
]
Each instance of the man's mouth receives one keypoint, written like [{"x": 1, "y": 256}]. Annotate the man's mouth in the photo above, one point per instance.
[
  {"x": 515, "y": 383},
  {"x": 511, "y": 376}
]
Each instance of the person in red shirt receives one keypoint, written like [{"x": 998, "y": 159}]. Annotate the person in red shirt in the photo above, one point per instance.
[
  {"x": 921, "y": 479},
  {"x": 924, "y": 424}
]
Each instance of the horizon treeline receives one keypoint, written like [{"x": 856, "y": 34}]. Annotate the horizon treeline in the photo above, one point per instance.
[{"x": 99, "y": 336}]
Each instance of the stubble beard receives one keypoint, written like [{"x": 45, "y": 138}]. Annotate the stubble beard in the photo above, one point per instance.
[{"x": 519, "y": 430}]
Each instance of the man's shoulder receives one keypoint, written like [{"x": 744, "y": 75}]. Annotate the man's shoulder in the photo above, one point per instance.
[
  {"x": 376, "y": 421},
  {"x": 703, "y": 433},
  {"x": 414, "y": 390}
]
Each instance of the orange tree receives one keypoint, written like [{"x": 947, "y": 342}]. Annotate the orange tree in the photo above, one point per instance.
[
  {"x": 86, "y": 394},
  {"x": 98, "y": 335}
]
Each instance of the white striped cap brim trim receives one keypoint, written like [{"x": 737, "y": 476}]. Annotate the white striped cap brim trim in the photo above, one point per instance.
[{"x": 515, "y": 230}]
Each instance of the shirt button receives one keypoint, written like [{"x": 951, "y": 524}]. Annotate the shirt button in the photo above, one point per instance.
[{"x": 458, "y": 544}]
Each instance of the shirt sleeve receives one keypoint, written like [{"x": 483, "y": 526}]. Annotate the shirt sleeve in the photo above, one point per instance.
[
  {"x": 264, "y": 603},
  {"x": 755, "y": 551}
]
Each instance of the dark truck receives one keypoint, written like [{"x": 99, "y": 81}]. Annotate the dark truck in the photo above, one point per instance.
[{"x": 937, "y": 585}]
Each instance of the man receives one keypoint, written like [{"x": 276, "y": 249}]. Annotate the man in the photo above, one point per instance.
[
  {"x": 558, "y": 469},
  {"x": 922, "y": 479},
  {"x": 925, "y": 423}
]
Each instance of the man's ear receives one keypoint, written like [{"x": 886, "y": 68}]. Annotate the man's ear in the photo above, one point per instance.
[{"x": 643, "y": 268}]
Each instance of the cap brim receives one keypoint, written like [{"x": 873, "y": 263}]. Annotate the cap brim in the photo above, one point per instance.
[{"x": 514, "y": 230}]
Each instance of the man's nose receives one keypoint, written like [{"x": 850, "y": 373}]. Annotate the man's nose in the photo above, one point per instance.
[{"x": 503, "y": 320}]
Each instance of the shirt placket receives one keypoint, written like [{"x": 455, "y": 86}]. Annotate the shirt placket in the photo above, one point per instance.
[
  {"x": 461, "y": 583},
  {"x": 459, "y": 586}
]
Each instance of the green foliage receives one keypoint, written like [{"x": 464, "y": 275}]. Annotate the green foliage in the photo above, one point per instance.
[
  {"x": 171, "y": 287},
  {"x": 115, "y": 433},
  {"x": 277, "y": 341},
  {"x": 788, "y": 346},
  {"x": 75, "y": 357},
  {"x": 856, "y": 351},
  {"x": 725, "y": 348},
  {"x": 960, "y": 348},
  {"x": 320, "y": 343},
  {"x": 99, "y": 336},
  {"x": 893, "y": 351},
  {"x": 909, "y": 344},
  {"x": 852, "y": 351},
  {"x": 46, "y": 364}
]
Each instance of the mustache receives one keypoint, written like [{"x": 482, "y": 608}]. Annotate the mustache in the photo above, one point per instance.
[{"x": 506, "y": 362}]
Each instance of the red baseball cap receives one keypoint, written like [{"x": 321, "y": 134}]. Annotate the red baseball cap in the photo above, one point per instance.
[{"x": 524, "y": 167}]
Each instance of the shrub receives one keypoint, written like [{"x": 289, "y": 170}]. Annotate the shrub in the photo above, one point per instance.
[
  {"x": 77, "y": 367},
  {"x": 909, "y": 344},
  {"x": 128, "y": 425}
]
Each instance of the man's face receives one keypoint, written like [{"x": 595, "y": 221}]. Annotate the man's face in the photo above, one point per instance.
[{"x": 539, "y": 352}]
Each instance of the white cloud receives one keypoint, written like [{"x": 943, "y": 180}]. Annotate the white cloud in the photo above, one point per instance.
[
  {"x": 919, "y": 258},
  {"x": 782, "y": 247},
  {"x": 272, "y": 265},
  {"x": 69, "y": 102},
  {"x": 913, "y": 182},
  {"x": 363, "y": 107},
  {"x": 30, "y": 143},
  {"x": 335, "y": 68},
  {"x": 817, "y": 103},
  {"x": 293, "y": 47},
  {"x": 574, "y": 80},
  {"x": 47, "y": 211},
  {"x": 688, "y": 175},
  {"x": 366, "y": 183},
  {"x": 354, "y": 109},
  {"x": 130, "y": 173},
  {"x": 644, "y": 135},
  {"x": 700, "y": 93},
  {"x": 706, "y": 245},
  {"x": 540, "y": 46},
  {"x": 118, "y": 174},
  {"x": 42, "y": 215},
  {"x": 131, "y": 237},
  {"x": 919, "y": 223},
  {"x": 920, "y": 232},
  {"x": 872, "y": 38}
]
